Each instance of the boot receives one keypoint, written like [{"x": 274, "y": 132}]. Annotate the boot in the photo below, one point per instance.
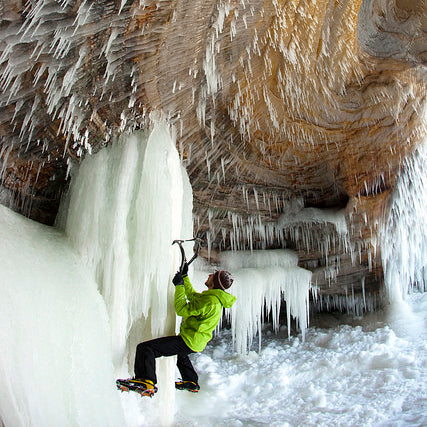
[
  {"x": 187, "y": 385},
  {"x": 142, "y": 386}
]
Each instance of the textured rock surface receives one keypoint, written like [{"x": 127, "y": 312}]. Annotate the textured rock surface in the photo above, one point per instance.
[{"x": 277, "y": 106}]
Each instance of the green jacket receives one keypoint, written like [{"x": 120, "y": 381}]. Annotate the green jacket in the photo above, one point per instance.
[{"x": 200, "y": 314}]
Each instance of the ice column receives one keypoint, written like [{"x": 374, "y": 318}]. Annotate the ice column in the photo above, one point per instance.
[
  {"x": 127, "y": 204},
  {"x": 261, "y": 280},
  {"x": 404, "y": 235}
]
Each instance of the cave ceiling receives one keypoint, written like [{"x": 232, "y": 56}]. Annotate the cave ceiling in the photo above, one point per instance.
[{"x": 271, "y": 101}]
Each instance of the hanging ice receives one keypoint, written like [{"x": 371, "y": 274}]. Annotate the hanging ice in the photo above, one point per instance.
[
  {"x": 404, "y": 235},
  {"x": 261, "y": 280}
]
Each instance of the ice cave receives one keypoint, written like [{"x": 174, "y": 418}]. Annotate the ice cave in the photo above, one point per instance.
[{"x": 289, "y": 136}]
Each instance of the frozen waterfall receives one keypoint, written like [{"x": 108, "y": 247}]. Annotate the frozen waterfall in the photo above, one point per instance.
[
  {"x": 404, "y": 235},
  {"x": 127, "y": 204}
]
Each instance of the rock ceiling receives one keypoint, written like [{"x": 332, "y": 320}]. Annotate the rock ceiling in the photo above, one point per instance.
[{"x": 275, "y": 104}]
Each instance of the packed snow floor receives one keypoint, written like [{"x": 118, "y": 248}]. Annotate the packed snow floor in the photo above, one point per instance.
[{"x": 366, "y": 372}]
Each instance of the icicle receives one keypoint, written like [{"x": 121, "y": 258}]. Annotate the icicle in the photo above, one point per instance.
[
  {"x": 261, "y": 280},
  {"x": 404, "y": 233}
]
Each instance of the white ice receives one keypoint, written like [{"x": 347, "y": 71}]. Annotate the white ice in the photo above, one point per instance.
[
  {"x": 404, "y": 234},
  {"x": 127, "y": 204},
  {"x": 262, "y": 280},
  {"x": 56, "y": 362}
]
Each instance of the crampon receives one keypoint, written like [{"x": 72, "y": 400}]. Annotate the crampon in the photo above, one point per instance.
[
  {"x": 142, "y": 387},
  {"x": 187, "y": 385}
]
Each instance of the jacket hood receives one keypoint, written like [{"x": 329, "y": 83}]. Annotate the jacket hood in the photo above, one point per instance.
[{"x": 226, "y": 299}]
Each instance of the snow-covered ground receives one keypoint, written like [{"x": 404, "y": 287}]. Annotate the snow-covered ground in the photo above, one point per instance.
[{"x": 363, "y": 372}]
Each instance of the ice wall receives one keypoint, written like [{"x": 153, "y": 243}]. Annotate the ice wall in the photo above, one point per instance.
[
  {"x": 127, "y": 204},
  {"x": 404, "y": 235},
  {"x": 262, "y": 279},
  {"x": 55, "y": 358}
]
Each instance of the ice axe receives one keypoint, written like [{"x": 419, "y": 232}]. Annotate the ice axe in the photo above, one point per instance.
[{"x": 198, "y": 242}]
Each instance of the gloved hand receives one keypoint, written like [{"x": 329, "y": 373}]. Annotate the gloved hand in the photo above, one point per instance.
[
  {"x": 178, "y": 280},
  {"x": 184, "y": 270}
]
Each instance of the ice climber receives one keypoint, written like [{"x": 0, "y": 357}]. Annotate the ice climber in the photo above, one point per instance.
[{"x": 201, "y": 313}]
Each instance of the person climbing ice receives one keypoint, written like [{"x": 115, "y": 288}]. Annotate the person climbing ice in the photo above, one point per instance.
[{"x": 201, "y": 313}]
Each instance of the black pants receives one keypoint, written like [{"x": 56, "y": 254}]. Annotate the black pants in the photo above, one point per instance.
[{"x": 148, "y": 351}]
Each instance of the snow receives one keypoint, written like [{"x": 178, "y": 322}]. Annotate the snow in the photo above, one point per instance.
[{"x": 348, "y": 372}]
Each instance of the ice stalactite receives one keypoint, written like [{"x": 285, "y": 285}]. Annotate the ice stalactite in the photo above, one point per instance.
[
  {"x": 127, "y": 204},
  {"x": 298, "y": 223},
  {"x": 351, "y": 303},
  {"x": 262, "y": 279},
  {"x": 404, "y": 234},
  {"x": 317, "y": 229}
]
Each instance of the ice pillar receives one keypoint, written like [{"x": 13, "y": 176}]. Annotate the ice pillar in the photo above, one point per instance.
[
  {"x": 127, "y": 204},
  {"x": 404, "y": 235}
]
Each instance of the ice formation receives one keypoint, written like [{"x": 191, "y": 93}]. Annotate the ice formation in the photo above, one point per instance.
[
  {"x": 127, "y": 204},
  {"x": 404, "y": 234},
  {"x": 295, "y": 223},
  {"x": 56, "y": 362},
  {"x": 262, "y": 279}
]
